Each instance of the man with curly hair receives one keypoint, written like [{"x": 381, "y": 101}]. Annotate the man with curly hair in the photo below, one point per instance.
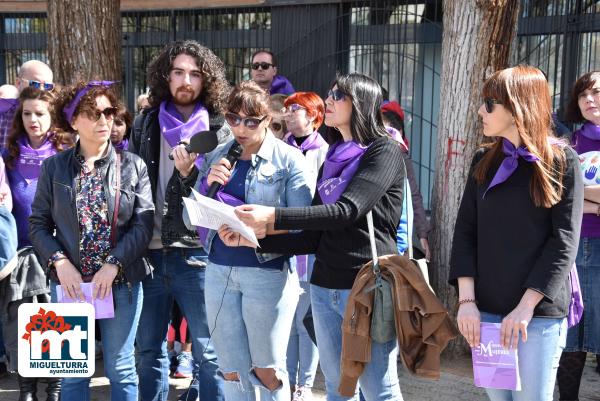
[{"x": 188, "y": 91}]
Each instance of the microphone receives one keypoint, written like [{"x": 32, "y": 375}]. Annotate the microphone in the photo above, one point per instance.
[
  {"x": 201, "y": 143},
  {"x": 235, "y": 151}
]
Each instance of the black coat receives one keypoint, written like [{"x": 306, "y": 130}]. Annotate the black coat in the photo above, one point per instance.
[{"x": 54, "y": 224}]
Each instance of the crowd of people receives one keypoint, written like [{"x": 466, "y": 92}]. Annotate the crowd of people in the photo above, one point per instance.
[{"x": 96, "y": 197}]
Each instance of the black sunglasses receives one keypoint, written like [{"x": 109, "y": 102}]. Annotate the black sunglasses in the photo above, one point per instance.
[
  {"x": 336, "y": 94},
  {"x": 109, "y": 113},
  {"x": 39, "y": 85},
  {"x": 250, "y": 122},
  {"x": 489, "y": 104},
  {"x": 262, "y": 66}
]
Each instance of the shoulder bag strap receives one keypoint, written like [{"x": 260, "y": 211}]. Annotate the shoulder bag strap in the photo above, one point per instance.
[{"x": 113, "y": 226}]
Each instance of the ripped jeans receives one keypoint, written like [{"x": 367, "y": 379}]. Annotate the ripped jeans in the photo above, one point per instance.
[{"x": 250, "y": 312}]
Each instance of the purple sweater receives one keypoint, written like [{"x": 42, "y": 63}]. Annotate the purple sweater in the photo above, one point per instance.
[
  {"x": 22, "y": 194},
  {"x": 590, "y": 226}
]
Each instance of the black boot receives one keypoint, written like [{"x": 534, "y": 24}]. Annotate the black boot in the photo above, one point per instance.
[
  {"x": 27, "y": 388},
  {"x": 53, "y": 389}
]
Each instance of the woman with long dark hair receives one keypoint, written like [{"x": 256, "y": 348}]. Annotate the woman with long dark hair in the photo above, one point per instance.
[
  {"x": 525, "y": 182},
  {"x": 363, "y": 172}
]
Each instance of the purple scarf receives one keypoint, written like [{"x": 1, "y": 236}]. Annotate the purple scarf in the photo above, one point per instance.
[
  {"x": 8, "y": 104},
  {"x": 221, "y": 196},
  {"x": 30, "y": 160},
  {"x": 339, "y": 167},
  {"x": 314, "y": 141},
  {"x": 510, "y": 162},
  {"x": 121, "y": 146},
  {"x": 576, "y": 304},
  {"x": 174, "y": 130},
  {"x": 589, "y": 130}
]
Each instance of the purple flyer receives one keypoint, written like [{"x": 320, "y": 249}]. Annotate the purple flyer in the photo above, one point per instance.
[
  {"x": 104, "y": 308},
  {"x": 494, "y": 366}
]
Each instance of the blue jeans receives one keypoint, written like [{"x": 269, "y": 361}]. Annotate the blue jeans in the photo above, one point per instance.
[
  {"x": 118, "y": 336},
  {"x": 379, "y": 381},
  {"x": 302, "y": 353},
  {"x": 250, "y": 310},
  {"x": 177, "y": 276},
  {"x": 538, "y": 359}
]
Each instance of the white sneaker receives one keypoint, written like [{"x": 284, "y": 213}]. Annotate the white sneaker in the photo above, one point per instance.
[{"x": 302, "y": 394}]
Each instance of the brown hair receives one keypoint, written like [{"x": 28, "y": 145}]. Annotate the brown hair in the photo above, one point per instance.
[
  {"x": 523, "y": 91},
  {"x": 60, "y": 140},
  {"x": 585, "y": 82},
  {"x": 87, "y": 103},
  {"x": 124, "y": 116},
  {"x": 250, "y": 98}
]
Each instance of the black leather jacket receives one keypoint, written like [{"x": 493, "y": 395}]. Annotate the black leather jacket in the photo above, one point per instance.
[
  {"x": 145, "y": 142},
  {"x": 54, "y": 223}
]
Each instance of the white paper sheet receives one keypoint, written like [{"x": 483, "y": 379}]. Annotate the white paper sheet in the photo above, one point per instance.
[{"x": 206, "y": 212}]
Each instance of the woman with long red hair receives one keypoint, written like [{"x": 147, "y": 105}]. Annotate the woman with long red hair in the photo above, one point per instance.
[{"x": 526, "y": 183}]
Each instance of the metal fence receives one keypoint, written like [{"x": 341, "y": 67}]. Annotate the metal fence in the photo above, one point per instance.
[{"x": 397, "y": 42}]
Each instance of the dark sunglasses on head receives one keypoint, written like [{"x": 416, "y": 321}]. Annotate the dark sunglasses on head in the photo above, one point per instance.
[
  {"x": 276, "y": 126},
  {"x": 292, "y": 108},
  {"x": 39, "y": 85},
  {"x": 262, "y": 66},
  {"x": 336, "y": 94},
  {"x": 109, "y": 113},
  {"x": 250, "y": 122},
  {"x": 489, "y": 104}
]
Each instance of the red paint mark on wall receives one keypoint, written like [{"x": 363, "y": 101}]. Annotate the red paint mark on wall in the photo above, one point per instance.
[{"x": 454, "y": 149}]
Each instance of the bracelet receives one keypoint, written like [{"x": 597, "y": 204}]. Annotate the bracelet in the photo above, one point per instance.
[
  {"x": 56, "y": 256},
  {"x": 467, "y": 301}
]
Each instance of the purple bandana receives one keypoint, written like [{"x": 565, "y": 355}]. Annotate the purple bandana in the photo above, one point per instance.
[
  {"x": 8, "y": 104},
  {"x": 174, "y": 130},
  {"x": 121, "y": 146},
  {"x": 69, "y": 110},
  {"x": 339, "y": 167},
  {"x": 590, "y": 130},
  {"x": 510, "y": 162},
  {"x": 30, "y": 160},
  {"x": 221, "y": 196},
  {"x": 314, "y": 141}
]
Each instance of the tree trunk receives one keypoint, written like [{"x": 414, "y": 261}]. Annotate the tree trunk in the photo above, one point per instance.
[
  {"x": 84, "y": 40},
  {"x": 476, "y": 42}
]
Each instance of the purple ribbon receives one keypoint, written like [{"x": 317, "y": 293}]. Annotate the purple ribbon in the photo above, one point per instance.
[
  {"x": 339, "y": 167},
  {"x": 576, "y": 304},
  {"x": 221, "y": 196},
  {"x": 175, "y": 130},
  {"x": 69, "y": 110},
  {"x": 314, "y": 141},
  {"x": 510, "y": 162},
  {"x": 589, "y": 130},
  {"x": 8, "y": 104},
  {"x": 30, "y": 160}
]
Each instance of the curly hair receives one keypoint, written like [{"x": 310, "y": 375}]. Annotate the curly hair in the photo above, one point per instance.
[
  {"x": 215, "y": 87},
  {"x": 60, "y": 140},
  {"x": 86, "y": 105}
]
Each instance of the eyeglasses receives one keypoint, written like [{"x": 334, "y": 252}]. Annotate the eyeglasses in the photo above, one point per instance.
[
  {"x": 336, "y": 94},
  {"x": 250, "y": 122},
  {"x": 292, "y": 108},
  {"x": 276, "y": 126},
  {"x": 109, "y": 113},
  {"x": 489, "y": 104},
  {"x": 39, "y": 85},
  {"x": 262, "y": 66}
]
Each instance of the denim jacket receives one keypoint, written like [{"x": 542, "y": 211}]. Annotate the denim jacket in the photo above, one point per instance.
[{"x": 277, "y": 177}]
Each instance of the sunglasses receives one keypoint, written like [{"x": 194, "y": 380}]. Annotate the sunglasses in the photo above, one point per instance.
[
  {"x": 109, "y": 113},
  {"x": 262, "y": 66},
  {"x": 336, "y": 94},
  {"x": 489, "y": 104},
  {"x": 40, "y": 85},
  {"x": 292, "y": 108},
  {"x": 250, "y": 122},
  {"x": 276, "y": 126}
]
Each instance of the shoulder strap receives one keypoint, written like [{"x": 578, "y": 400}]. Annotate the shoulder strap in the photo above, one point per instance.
[{"x": 113, "y": 227}]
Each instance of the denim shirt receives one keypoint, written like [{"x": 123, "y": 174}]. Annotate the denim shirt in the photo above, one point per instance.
[{"x": 277, "y": 177}]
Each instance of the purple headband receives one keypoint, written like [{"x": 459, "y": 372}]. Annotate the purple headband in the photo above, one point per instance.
[{"x": 70, "y": 109}]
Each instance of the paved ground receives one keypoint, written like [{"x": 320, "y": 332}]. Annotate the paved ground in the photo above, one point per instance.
[{"x": 455, "y": 384}]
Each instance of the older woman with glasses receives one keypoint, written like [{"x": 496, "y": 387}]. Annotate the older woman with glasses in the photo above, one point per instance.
[
  {"x": 251, "y": 297},
  {"x": 91, "y": 220}
]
